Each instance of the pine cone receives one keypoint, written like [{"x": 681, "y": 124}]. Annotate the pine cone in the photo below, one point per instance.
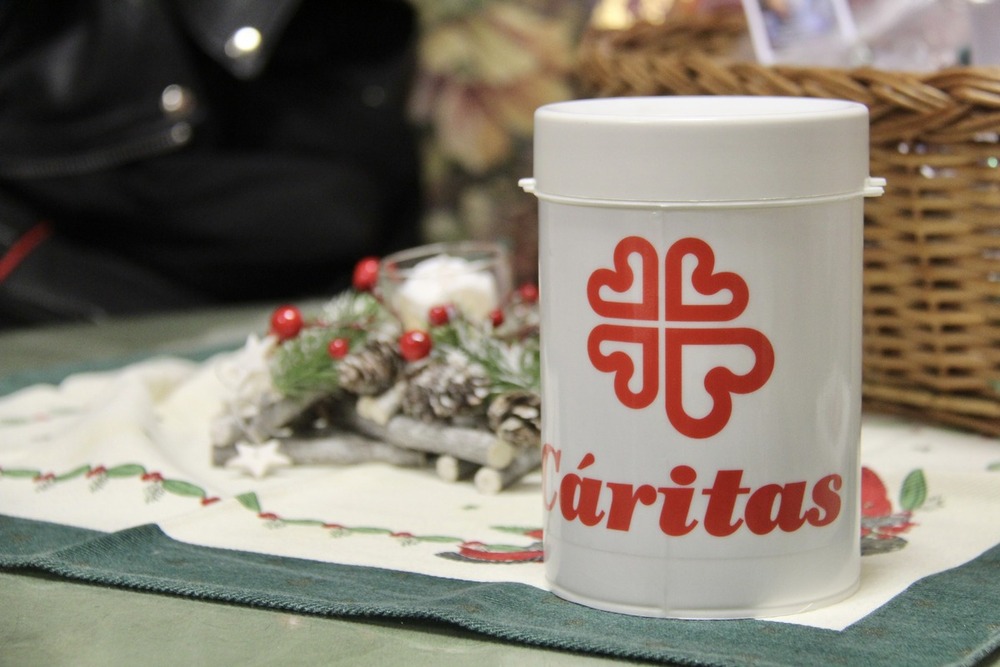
[
  {"x": 442, "y": 391},
  {"x": 516, "y": 417},
  {"x": 372, "y": 369}
]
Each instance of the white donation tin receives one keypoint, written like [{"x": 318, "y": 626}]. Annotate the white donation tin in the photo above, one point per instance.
[{"x": 700, "y": 277}]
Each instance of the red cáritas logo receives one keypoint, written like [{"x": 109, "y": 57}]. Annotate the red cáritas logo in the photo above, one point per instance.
[{"x": 658, "y": 330}]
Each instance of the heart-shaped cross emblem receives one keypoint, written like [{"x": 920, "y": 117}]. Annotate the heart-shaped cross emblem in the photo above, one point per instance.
[
  {"x": 626, "y": 349},
  {"x": 621, "y": 363},
  {"x": 720, "y": 382},
  {"x": 621, "y": 279},
  {"x": 704, "y": 282}
]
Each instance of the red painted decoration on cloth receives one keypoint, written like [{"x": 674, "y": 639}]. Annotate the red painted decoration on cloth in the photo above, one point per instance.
[
  {"x": 874, "y": 496},
  {"x": 878, "y": 520},
  {"x": 481, "y": 552}
]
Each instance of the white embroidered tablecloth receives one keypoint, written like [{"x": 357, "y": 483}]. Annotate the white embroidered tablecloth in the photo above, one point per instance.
[{"x": 116, "y": 449}]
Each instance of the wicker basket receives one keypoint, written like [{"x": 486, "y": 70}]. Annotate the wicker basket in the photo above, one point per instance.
[{"x": 932, "y": 242}]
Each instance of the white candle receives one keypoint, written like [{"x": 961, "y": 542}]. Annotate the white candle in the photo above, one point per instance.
[{"x": 444, "y": 280}]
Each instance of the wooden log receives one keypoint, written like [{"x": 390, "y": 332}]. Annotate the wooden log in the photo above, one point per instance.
[
  {"x": 380, "y": 409},
  {"x": 340, "y": 448},
  {"x": 475, "y": 445},
  {"x": 452, "y": 469},
  {"x": 492, "y": 481},
  {"x": 228, "y": 429}
]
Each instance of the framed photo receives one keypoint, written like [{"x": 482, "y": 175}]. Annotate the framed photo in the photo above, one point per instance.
[{"x": 801, "y": 31}]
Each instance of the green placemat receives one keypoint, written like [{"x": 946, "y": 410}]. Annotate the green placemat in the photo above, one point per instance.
[{"x": 952, "y": 618}]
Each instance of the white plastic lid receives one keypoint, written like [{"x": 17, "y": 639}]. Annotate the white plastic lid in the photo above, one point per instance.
[{"x": 701, "y": 149}]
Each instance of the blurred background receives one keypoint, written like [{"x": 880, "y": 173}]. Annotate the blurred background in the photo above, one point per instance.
[{"x": 185, "y": 153}]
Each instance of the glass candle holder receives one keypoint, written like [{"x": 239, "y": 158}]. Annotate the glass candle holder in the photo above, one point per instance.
[{"x": 472, "y": 277}]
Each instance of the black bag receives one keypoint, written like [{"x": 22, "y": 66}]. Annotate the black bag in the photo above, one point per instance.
[{"x": 162, "y": 155}]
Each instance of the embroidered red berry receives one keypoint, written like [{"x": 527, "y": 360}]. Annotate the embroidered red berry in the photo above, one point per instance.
[
  {"x": 365, "y": 274},
  {"x": 528, "y": 292},
  {"x": 338, "y": 348},
  {"x": 286, "y": 322},
  {"x": 414, "y": 345},
  {"x": 439, "y": 315},
  {"x": 496, "y": 317}
]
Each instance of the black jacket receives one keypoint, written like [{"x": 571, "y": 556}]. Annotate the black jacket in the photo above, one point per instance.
[{"x": 188, "y": 152}]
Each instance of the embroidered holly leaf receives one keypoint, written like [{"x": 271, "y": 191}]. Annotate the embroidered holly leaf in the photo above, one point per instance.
[
  {"x": 126, "y": 470},
  {"x": 368, "y": 530},
  {"x": 914, "y": 491},
  {"x": 20, "y": 472},
  {"x": 516, "y": 530},
  {"x": 309, "y": 523},
  {"x": 444, "y": 539},
  {"x": 994, "y": 467},
  {"x": 250, "y": 501},
  {"x": 181, "y": 488},
  {"x": 76, "y": 472}
]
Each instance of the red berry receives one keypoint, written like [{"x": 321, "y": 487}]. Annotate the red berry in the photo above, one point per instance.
[
  {"x": 338, "y": 348},
  {"x": 286, "y": 322},
  {"x": 439, "y": 315},
  {"x": 414, "y": 345},
  {"x": 365, "y": 274},
  {"x": 528, "y": 292},
  {"x": 496, "y": 317}
]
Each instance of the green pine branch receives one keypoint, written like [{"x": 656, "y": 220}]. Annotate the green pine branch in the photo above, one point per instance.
[{"x": 303, "y": 366}]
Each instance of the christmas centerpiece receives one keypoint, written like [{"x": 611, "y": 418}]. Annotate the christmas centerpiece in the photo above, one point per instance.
[{"x": 430, "y": 359}]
